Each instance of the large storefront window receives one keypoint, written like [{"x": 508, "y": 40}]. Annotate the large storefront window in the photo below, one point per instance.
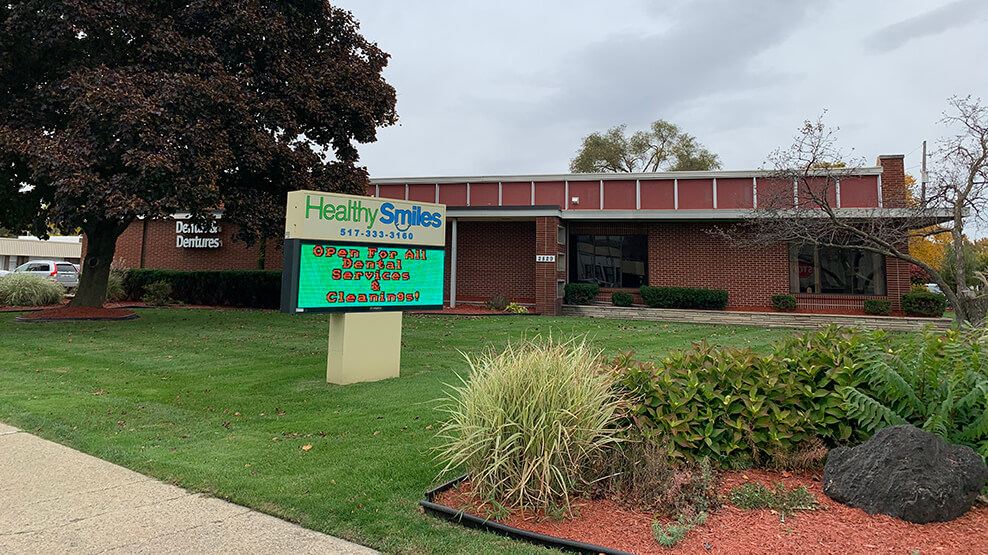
[
  {"x": 609, "y": 260},
  {"x": 835, "y": 270}
]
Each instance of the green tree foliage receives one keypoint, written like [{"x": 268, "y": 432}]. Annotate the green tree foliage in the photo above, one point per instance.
[
  {"x": 111, "y": 111},
  {"x": 663, "y": 147}
]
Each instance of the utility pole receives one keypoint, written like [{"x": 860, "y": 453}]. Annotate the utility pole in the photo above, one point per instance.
[{"x": 922, "y": 177}]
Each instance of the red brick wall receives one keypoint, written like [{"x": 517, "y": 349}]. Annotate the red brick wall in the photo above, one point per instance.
[
  {"x": 893, "y": 180},
  {"x": 494, "y": 258},
  {"x": 547, "y": 300},
  {"x": 157, "y": 250},
  {"x": 687, "y": 255}
]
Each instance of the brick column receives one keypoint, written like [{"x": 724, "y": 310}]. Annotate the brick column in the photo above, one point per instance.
[
  {"x": 547, "y": 242},
  {"x": 893, "y": 180}
]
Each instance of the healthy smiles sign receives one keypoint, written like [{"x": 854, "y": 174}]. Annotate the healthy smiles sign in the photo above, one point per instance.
[
  {"x": 331, "y": 216},
  {"x": 346, "y": 253}
]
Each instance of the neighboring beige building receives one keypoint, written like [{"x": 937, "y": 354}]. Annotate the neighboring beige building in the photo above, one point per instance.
[{"x": 14, "y": 252}]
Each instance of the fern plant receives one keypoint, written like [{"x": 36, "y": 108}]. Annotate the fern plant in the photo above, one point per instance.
[{"x": 936, "y": 382}]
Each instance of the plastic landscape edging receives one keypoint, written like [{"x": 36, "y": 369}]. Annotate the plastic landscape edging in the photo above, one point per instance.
[{"x": 487, "y": 525}]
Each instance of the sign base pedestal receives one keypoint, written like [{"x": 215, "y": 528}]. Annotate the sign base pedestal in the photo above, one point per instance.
[{"x": 363, "y": 347}]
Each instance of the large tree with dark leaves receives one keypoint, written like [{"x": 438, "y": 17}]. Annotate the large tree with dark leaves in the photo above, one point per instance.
[{"x": 117, "y": 110}]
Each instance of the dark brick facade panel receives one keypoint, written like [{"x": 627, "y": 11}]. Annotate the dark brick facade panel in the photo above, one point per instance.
[
  {"x": 687, "y": 255},
  {"x": 494, "y": 258},
  {"x": 152, "y": 244}
]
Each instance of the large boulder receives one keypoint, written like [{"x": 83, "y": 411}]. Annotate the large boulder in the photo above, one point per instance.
[{"x": 907, "y": 473}]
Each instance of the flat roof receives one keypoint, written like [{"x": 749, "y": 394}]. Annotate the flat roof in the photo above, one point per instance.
[
  {"x": 746, "y": 174},
  {"x": 60, "y": 247}
]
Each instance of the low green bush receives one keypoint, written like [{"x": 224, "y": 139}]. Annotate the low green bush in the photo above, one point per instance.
[
  {"x": 622, "y": 298},
  {"x": 784, "y": 303},
  {"x": 29, "y": 290},
  {"x": 516, "y": 308},
  {"x": 684, "y": 297},
  {"x": 158, "y": 293},
  {"x": 527, "y": 422},
  {"x": 246, "y": 288},
  {"x": 734, "y": 405},
  {"x": 497, "y": 303},
  {"x": 879, "y": 307},
  {"x": 924, "y": 303},
  {"x": 581, "y": 293}
]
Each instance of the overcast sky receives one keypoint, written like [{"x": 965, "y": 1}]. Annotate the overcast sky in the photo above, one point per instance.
[{"x": 511, "y": 87}]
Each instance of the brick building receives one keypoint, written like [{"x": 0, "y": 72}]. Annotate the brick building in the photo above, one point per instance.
[{"x": 524, "y": 237}]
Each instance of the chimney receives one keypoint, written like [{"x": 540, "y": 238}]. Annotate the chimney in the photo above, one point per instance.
[{"x": 893, "y": 180}]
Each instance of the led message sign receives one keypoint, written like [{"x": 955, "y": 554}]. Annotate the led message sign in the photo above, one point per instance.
[
  {"x": 317, "y": 215},
  {"x": 346, "y": 253}
]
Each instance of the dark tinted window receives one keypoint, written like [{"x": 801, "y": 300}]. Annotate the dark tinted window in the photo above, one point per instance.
[
  {"x": 67, "y": 268},
  {"x": 846, "y": 271},
  {"x": 609, "y": 260}
]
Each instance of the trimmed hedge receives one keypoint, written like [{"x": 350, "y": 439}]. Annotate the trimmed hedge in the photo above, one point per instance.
[
  {"x": 878, "y": 306},
  {"x": 784, "y": 303},
  {"x": 621, "y": 298},
  {"x": 924, "y": 303},
  {"x": 581, "y": 293},
  {"x": 684, "y": 297},
  {"x": 245, "y": 289}
]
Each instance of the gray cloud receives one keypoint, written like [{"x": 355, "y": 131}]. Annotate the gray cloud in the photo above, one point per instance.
[
  {"x": 933, "y": 22},
  {"x": 707, "y": 50}
]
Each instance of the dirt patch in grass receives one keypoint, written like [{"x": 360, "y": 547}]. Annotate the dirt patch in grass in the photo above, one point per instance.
[
  {"x": 79, "y": 313},
  {"x": 834, "y": 529}
]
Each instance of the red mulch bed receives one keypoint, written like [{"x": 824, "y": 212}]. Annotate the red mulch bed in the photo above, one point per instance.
[
  {"x": 836, "y": 529},
  {"x": 462, "y": 310},
  {"x": 79, "y": 313}
]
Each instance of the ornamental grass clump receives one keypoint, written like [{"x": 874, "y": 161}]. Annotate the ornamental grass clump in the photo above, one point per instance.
[
  {"x": 527, "y": 422},
  {"x": 29, "y": 290}
]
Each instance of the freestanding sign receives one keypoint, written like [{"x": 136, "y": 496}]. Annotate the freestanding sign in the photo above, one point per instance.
[{"x": 365, "y": 260}]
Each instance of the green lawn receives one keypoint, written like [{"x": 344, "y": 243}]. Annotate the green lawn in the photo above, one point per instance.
[{"x": 223, "y": 402}]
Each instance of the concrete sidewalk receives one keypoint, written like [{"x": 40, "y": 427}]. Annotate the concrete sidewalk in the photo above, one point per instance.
[{"x": 57, "y": 500}]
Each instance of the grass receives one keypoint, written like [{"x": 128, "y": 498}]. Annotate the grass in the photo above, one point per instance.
[{"x": 225, "y": 402}]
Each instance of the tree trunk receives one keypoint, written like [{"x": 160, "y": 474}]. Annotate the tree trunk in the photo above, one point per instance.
[
  {"x": 101, "y": 244},
  {"x": 974, "y": 310}
]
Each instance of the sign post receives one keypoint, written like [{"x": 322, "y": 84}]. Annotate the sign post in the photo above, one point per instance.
[{"x": 365, "y": 260}]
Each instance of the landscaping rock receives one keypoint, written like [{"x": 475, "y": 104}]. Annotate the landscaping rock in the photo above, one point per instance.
[{"x": 907, "y": 473}]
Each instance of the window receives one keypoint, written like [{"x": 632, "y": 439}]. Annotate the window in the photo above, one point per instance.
[
  {"x": 609, "y": 260},
  {"x": 842, "y": 271}
]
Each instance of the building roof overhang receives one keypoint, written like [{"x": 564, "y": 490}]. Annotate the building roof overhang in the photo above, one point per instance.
[
  {"x": 743, "y": 174},
  {"x": 530, "y": 212}
]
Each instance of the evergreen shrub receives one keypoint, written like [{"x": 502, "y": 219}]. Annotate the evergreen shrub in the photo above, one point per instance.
[
  {"x": 239, "y": 288},
  {"x": 924, "y": 303},
  {"x": 621, "y": 298},
  {"x": 879, "y": 307},
  {"x": 684, "y": 297},
  {"x": 784, "y": 303},
  {"x": 581, "y": 293}
]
